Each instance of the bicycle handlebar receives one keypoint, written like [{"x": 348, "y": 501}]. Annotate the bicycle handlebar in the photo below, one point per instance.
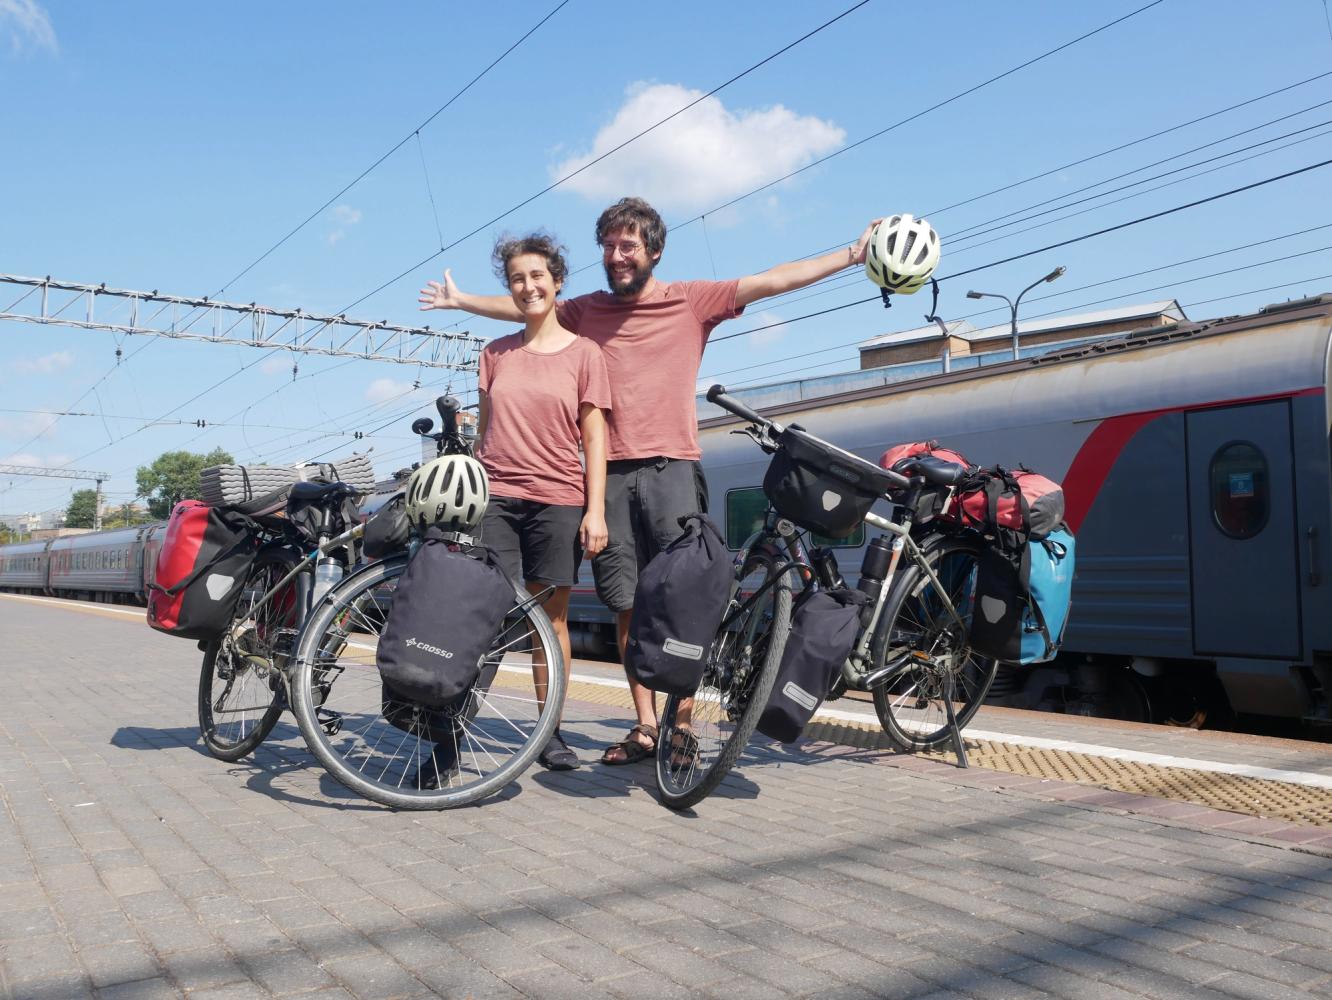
[{"x": 717, "y": 395}]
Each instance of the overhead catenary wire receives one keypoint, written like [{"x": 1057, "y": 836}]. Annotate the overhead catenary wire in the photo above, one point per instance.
[
  {"x": 610, "y": 152},
  {"x": 766, "y": 380},
  {"x": 401, "y": 142},
  {"x": 1040, "y": 298},
  {"x": 920, "y": 114},
  {"x": 1053, "y": 246}
]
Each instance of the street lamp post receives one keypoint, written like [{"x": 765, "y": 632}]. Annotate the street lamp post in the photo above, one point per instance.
[{"x": 1014, "y": 303}]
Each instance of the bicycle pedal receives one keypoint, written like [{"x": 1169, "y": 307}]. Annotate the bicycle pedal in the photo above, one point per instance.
[{"x": 330, "y": 722}]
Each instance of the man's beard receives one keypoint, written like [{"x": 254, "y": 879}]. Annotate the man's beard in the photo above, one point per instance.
[{"x": 642, "y": 272}]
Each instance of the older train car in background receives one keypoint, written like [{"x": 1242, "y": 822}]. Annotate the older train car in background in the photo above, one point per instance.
[
  {"x": 103, "y": 565},
  {"x": 23, "y": 566}
]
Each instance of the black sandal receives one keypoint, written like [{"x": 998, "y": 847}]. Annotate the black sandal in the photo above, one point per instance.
[
  {"x": 684, "y": 750},
  {"x": 633, "y": 750}
]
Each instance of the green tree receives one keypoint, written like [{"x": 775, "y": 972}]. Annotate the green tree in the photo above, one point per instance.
[
  {"x": 173, "y": 477},
  {"x": 82, "y": 509}
]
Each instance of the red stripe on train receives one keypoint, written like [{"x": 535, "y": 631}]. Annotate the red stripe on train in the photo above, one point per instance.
[{"x": 1098, "y": 454}]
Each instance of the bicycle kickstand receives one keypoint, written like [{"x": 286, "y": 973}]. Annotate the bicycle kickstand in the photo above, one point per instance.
[{"x": 958, "y": 745}]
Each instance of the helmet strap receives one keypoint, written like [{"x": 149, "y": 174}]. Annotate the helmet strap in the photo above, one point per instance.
[
  {"x": 887, "y": 301},
  {"x": 933, "y": 315}
]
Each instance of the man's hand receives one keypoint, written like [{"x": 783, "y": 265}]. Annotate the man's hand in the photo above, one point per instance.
[
  {"x": 592, "y": 533},
  {"x": 437, "y": 296},
  {"x": 858, "y": 249}
]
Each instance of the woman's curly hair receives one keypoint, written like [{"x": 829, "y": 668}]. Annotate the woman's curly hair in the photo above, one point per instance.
[{"x": 542, "y": 244}]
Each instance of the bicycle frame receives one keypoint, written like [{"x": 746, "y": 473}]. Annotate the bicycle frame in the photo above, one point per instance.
[{"x": 778, "y": 533}]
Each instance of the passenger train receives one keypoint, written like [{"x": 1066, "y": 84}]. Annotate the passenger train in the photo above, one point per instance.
[{"x": 1196, "y": 468}]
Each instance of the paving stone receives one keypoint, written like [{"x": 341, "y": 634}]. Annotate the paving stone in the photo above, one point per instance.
[{"x": 284, "y": 972}]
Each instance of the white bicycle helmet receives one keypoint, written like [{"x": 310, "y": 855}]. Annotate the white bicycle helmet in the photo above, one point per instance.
[
  {"x": 902, "y": 254},
  {"x": 451, "y": 491}
]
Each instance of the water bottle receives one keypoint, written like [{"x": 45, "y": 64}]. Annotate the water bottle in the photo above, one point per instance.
[{"x": 328, "y": 571}]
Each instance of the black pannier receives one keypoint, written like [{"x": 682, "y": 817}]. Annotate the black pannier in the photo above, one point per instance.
[
  {"x": 822, "y": 488},
  {"x": 447, "y": 609},
  {"x": 678, "y": 605},
  {"x": 387, "y": 530},
  {"x": 823, "y": 630}
]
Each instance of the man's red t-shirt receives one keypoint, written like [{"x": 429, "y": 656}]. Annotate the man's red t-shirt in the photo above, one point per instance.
[{"x": 653, "y": 348}]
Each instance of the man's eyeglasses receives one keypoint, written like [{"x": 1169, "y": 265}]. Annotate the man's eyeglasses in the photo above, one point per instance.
[{"x": 626, "y": 247}]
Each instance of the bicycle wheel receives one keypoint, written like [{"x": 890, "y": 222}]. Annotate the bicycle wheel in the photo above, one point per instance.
[
  {"x": 742, "y": 665},
  {"x": 403, "y": 754},
  {"x": 929, "y": 650},
  {"x": 241, "y": 694}
]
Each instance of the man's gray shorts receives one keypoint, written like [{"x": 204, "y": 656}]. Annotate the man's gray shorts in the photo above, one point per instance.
[{"x": 645, "y": 499}]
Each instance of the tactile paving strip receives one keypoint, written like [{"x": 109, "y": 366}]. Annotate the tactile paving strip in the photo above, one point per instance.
[{"x": 1233, "y": 793}]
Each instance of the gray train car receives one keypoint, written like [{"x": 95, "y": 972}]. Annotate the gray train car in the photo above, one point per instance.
[
  {"x": 1195, "y": 463},
  {"x": 105, "y": 565},
  {"x": 23, "y": 566}
]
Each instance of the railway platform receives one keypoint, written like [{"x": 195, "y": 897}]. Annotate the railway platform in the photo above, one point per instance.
[{"x": 1075, "y": 858}]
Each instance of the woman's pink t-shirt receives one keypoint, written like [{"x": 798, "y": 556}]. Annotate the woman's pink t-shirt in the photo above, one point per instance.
[
  {"x": 530, "y": 448},
  {"x": 653, "y": 349}
]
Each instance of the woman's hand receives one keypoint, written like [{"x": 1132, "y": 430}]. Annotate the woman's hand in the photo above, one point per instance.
[
  {"x": 437, "y": 296},
  {"x": 592, "y": 533}
]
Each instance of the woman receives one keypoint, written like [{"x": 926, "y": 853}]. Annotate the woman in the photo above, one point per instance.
[{"x": 544, "y": 391}]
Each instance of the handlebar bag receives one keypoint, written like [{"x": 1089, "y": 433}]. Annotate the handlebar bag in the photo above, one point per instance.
[
  {"x": 1022, "y": 599},
  {"x": 447, "y": 609},
  {"x": 387, "y": 530},
  {"x": 679, "y": 602},
  {"x": 823, "y": 630},
  {"x": 821, "y": 487},
  {"x": 201, "y": 570}
]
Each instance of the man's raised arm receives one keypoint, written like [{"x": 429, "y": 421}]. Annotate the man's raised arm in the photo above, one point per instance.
[
  {"x": 799, "y": 273},
  {"x": 447, "y": 296}
]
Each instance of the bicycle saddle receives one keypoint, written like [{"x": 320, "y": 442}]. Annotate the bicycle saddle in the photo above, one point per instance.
[{"x": 934, "y": 470}]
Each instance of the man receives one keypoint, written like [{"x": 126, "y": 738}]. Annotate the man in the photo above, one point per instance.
[{"x": 652, "y": 334}]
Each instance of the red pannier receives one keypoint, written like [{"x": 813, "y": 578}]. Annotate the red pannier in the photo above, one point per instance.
[
  {"x": 1014, "y": 499},
  {"x": 206, "y": 556}
]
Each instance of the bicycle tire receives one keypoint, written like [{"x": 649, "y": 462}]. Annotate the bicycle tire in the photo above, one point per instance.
[
  {"x": 230, "y": 728},
  {"x": 935, "y": 661},
  {"x": 390, "y": 751},
  {"x": 733, "y": 675}
]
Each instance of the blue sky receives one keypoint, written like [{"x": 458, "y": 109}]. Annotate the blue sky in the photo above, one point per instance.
[{"x": 166, "y": 146}]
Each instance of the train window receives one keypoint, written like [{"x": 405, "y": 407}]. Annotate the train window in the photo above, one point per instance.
[
  {"x": 744, "y": 516},
  {"x": 1240, "y": 489}
]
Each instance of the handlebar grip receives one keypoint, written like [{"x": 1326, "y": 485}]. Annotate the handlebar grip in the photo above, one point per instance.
[{"x": 717, "y": 395}]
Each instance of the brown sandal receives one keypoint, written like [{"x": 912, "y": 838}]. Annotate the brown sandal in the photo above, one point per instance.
[{"x": 633, "y": 750}]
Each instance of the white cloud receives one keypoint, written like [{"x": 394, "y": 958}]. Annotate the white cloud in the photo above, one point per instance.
[
  {"x": 384, "y": 389},
  {"x": 705, "y": 155},
  {"x": 47, "y": 363},
  {"x": 345, "y": 216},
  {"x": 25, "y": 23},
  {"x": 277, "y": 364},
  {"x": 765, "y": 338},
  {"x": 28, "y": 425},
  {"x": 32, "y": 459}
]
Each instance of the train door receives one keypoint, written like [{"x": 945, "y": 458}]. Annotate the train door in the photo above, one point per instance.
[{"x": 1242, "y": 537}]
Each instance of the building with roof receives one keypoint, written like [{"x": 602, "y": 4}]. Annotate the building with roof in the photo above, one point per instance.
[
  {"x": 963, "y": 339},
  {"x": 926, "y": 351}
]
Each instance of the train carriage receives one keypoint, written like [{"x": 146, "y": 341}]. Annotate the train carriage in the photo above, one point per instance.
[
  {"x": 103, "y": 564},
  {"x": 23, "y": 566}
]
